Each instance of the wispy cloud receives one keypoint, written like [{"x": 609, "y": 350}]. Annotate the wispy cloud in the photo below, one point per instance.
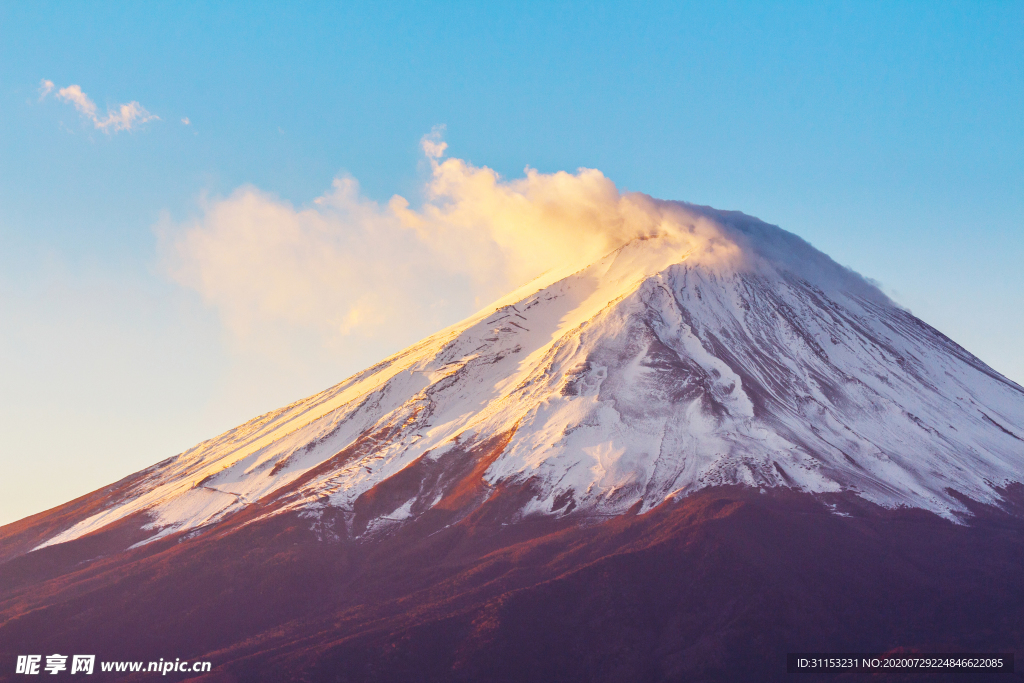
[
  {"x": 186, "y": 121},
  {"x": 122, "y": 117},
  {"x": 45, "y": 88}
]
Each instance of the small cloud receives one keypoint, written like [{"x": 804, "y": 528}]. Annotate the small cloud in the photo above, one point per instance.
[
  {"x": 124, "y": 117},
  {"x": 186, "y": 121},
  {"x": 75, "y": 96},
  {"x": 433, "y": 144}
]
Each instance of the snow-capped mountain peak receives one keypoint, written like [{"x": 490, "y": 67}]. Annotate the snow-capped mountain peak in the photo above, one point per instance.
[{"x": 710, "y": 349}]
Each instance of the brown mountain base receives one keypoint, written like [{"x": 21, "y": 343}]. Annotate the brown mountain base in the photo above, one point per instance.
[{"x": 716, "y": 587}]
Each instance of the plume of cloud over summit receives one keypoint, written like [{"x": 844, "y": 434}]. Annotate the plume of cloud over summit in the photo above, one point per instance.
[{"x": 352, "y": 273}]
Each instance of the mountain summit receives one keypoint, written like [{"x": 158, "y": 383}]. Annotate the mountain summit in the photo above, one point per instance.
[
  {"x": 678, "y": 459},
  {"x": 714, "y": 350}
]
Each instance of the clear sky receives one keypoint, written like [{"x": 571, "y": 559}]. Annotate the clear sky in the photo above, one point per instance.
[{"x": 889, "y": 135}]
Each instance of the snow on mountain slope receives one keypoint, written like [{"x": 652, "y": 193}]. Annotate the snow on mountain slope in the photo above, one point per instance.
[{"x": 716, "y": 349}]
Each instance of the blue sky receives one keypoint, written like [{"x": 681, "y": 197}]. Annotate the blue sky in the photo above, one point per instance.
[{"x": 889, "y": 135}]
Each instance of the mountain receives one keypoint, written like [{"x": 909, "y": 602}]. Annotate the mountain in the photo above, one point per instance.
[{"x": 644, "y": 467}]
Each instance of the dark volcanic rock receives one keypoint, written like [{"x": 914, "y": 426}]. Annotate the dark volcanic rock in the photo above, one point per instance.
[{"x": 716, "y": 587}]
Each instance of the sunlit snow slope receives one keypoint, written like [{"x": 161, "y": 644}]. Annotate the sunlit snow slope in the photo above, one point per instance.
[{"x": 715, "y": 350}]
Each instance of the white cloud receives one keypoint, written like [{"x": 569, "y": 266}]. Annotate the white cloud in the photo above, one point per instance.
[
  {"x": 433, "y": 145},
  {"x": 123, "y": 117},
  {"x": 351, "y": 275},
  {"x": 186, "y": 121},
  {"x": 75, "y": 96}
]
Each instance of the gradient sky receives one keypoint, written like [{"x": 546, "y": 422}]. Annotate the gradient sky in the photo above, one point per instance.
[{"x": 889, "y": 135}]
